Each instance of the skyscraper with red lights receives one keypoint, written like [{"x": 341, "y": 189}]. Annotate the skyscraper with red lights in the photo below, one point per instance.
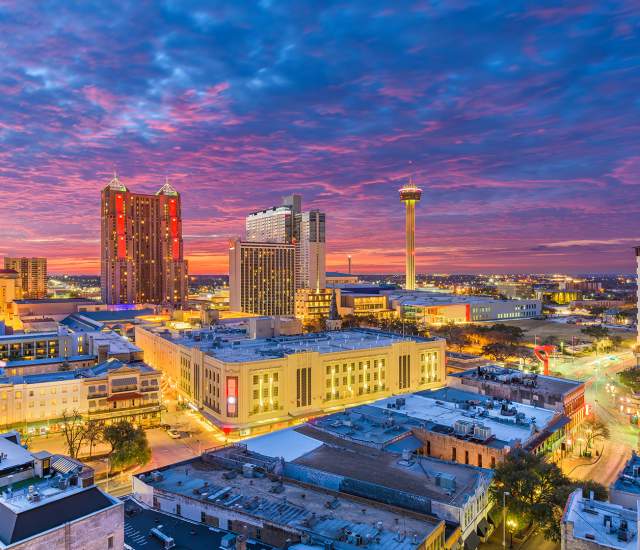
[{"x": 142, "y": 258}]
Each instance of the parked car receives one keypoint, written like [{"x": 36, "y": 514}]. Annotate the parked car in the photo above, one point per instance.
[{"x": 174, "y": 434}]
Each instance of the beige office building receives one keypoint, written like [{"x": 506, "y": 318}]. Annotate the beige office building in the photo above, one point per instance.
[
  {"x": 262, "y": 277},
  {"x": 254, "y": 385},
  {"x": 10, "y": 291},
  {"x": 32, "y": 273}
]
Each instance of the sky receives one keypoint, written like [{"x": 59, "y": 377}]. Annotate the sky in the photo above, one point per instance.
[{"x": 519, "y": 120}]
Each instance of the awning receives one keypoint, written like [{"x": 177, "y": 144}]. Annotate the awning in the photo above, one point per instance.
[
  {"x": 472, "y": 542},
  {"x": 64, "y": 465},
  {"x": 125, "y": 395},
  {"x": 483, "y": 527}
]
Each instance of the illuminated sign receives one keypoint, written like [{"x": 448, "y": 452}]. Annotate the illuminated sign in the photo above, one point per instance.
[{"x": 232, "y": 396}]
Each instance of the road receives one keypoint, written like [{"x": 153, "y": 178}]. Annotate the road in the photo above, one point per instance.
[
  {"x": 599, "y": 375},
  {"x": 197, "y": 436}
]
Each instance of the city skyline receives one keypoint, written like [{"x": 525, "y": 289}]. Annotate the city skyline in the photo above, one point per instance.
[{"x": 520, "y": 131}]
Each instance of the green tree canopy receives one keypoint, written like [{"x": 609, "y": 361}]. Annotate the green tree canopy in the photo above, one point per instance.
[
  {"x": 129, "y": 445},
  {"x": 538, "y": 491}
]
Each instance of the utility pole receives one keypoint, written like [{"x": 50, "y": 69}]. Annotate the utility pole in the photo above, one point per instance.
[{"x": 504, "y": 517}]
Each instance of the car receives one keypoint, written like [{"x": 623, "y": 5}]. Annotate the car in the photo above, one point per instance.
[{"x": 174, "y": 434}]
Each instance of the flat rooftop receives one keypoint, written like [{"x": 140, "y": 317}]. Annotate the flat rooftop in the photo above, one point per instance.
[
  {"x": 588, "y": 518},
  {"x": 238, "y": 350},
  {"x": 416, "y": 476},
  {"x": 628, "y": 479},
  {"x": 187, "y": 535},
  {"x": 324, "y": 514},
  {"x": 446, "y": 406},
  {"x": 97, "y": 371},
  {"x": 500, "y": 375}
]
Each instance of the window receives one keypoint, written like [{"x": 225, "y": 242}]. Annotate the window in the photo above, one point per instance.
[
  {"x": 466, "y": 457},
  {"x": 454, "y": 453},
  {"x": 110, "y": 541}
]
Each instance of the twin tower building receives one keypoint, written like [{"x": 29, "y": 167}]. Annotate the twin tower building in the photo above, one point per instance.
[{"x": 142, "y": 259}]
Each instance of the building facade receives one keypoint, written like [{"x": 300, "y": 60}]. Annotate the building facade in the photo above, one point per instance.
[
  {"x": 427, "y": 308},
  {"x": 142, "y": 250},
  {"x": 32, "y": 273},
  {"x": 290, "y": 225},
  {"x": 10, "y": 291},
  {"x": 253, "y": 385},
  {"x": 107, "y": 392},
  {"x": 262, "y": 277}
]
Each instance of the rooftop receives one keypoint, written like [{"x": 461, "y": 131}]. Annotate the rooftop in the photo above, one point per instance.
[
  {"x": 500, "y": 375},
  {"x": 58, "y": 301},
  {"x": 628, "y": 479},
  {"x": 608, "y": 525},
  {"x": 224, "y": 478},
  {"x": 234, "y": 349},
  {"x": 187, "y": 535},
  {"x": 446, "y": 410},
  {"x": 97, "y": 371},
  {"x": 22, "y": 517}
]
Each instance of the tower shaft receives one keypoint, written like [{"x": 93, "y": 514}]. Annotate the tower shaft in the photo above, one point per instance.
[{"x": 410, "y": 263}]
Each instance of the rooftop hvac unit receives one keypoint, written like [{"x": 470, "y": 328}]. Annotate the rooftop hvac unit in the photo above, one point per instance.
[
  {"x": 481, "y": 432},
  {"x": 462, "y": 427}
]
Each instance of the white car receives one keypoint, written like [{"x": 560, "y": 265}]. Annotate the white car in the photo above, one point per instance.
[{"x": 174, "y": 434}]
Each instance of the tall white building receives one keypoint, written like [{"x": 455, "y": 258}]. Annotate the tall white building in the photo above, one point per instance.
[{"x": 305, "y": 230}]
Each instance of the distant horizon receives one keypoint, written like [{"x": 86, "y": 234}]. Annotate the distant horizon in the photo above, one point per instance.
[{"x": 374, "y": 274}]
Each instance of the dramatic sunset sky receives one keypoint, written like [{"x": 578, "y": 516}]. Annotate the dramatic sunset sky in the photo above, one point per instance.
[{"x": 522, "y": 125}]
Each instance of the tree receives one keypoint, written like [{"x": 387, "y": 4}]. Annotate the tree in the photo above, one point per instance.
[
  {"x": 455, "y": 335},
  {"x": 594, "y": 430},
  {"x": 93, "y": 432},
  {"x": 497, "y": 351},
  {"x": 73, "y": 431},
  {"x": 538, "y": 490},
  {"x": 631, "y": 379},
  {"x": 596, "y": 332},
  {"x": 129, "y": 445}
]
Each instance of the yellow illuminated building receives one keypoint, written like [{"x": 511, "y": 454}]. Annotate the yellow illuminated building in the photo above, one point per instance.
[
  {"x": 253, "y": 385},
  {"x": 10, "y": 291}
]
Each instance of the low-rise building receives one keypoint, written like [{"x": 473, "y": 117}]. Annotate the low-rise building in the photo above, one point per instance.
[
  {"x": 107, "y": 392},
  {"x": 589, "y": 524},
  {"x": 314, "y": 304},
  {"x": 460, "y": 362},
  {"x": 372, "y": 452},
  {"x": 470, "y": 428},
  {"x": 550, "y": 392},
  {"x": 46, "y": 351},
  {"x": 57, "y": 308},
  {"x": 143, "y": 525},
  {"x": 337, "y": 278},
  {"x": 254, "y": 385},
  {"x": 49, "y": 502},
  {"x": 272, "y": 501},
  {"x": 363, "y": 304},
  {"x": 625, "y": 490},
  {"x": 435, "y": 308}
]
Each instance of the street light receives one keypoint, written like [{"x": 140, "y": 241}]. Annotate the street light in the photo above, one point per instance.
[
  {"x": 512, "y": 525},
  {"x": 504, "y": 517}
]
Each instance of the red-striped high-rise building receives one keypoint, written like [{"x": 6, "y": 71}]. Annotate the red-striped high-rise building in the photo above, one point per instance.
[{"x": 142, "y": 256}]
